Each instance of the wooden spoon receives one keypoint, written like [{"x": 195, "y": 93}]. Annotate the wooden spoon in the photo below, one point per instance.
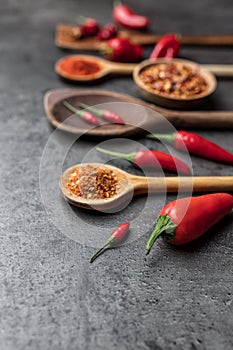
[
  {"x": 66, "y": 40},
  {"x": 177, "y": 101},
  {"x": 139, "y": 116},
  {"x": 107, "y": 67},
  {"x": 131, "y": 185}
]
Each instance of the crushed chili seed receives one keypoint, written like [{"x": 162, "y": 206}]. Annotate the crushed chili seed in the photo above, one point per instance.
[
  {"x": 173, "y": 80},
  {"x": 92, "y": 182}
]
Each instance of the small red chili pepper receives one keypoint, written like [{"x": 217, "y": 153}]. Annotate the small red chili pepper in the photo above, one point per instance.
[
  {"x": 183, "y": 220},
  {"x": 85, "y": 115},
  {"x": 196, "y": 144},
  {"x": 107, "y": 32},
  {"x": 122, "y": 50},
  {"x": 167, "y": 47},
  {"x": 89, "y": 27},
  {"x": 126, "y": 17},
  {"x": 105, "y": 114},
  {"x": 151, "y": 159},
  {"x": 116, "y": 237}
]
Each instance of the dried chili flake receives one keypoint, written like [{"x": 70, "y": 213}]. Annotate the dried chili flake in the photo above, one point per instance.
[
  {"x": 173, "y": 80},
  {"x": 92, "y": 182}
]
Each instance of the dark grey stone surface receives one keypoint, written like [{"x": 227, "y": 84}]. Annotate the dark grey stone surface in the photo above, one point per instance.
[{"x": 50, "y": 296}]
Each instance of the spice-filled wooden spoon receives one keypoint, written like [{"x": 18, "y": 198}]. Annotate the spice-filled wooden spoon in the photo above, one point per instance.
[
  {"x": 88, "y": 68},
  {"x": 66, "y": 40},
  {"x": 140, "y": 117},
  {"x": 174, "y": 83},
  {"x": 104, "y": 187}
]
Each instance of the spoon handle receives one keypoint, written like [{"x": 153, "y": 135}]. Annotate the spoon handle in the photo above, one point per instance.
[
  {"x": 121, "y": 68},
  {"x": 144, "y": 184},
  {"x": 220, "y": 70}
]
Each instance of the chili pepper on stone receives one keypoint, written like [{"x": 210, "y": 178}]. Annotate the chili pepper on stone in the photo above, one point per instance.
[
  {"x": 126, "y": 17},
  {"x": 167, "y": 47},
  {"x": 107, "y": 32},
  {"x": 195, "y": 144},
  {"x": 183, "y": 220},
  {"x": 88, "y": 117},
  {"x": 116, "y": 237},
  {"x": 89, "y": 27},
  {"x": 105, "y": 114},
  {"x": 151, "y": 159},
  {"x": 122, "y": 50}
]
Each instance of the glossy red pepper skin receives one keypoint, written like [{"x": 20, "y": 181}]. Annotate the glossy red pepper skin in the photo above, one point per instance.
[
  {"x": 202, "y": 147},
  {"x": 149, "y": 159},
  {"x": 167, "y": 47},
  {"x": 195, "y": 144},
  {"x": 107, "y": 32},
  {"x": 126, "y": 17},
  {"x": 89, "y": 27},
  {"x": 116, "y": 237},
  {"x": 122, "y": 50},
  {"x": 186, "y": 219}
]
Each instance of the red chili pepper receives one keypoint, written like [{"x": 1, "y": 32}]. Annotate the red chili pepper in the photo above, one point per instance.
[
  {"x": 183, "y": 220},
  {"x": 85, "y": 115},
  {"x": 105, "y": 114},
  {"x": 107, "y": 32},
  {"x": 116, "y": 237},
  {"x": 89, "y": 27},
  {"x": 122, "y": 50},
  {"x": 126, "y": 17},
  {"x": 151, "y": 159},
  {"x": 197, "y": 145},
  {"x": 167, "y": 47}
]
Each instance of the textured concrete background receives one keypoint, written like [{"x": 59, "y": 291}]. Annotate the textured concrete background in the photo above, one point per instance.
[{"x": 51, "y": 297}]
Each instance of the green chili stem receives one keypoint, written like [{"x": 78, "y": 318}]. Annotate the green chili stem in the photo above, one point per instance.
[
  {"x": 162, "y": 137},
  {"x": 108, "y": 242},
  {"x": 127, "y": 156},
  {"x": 72, "y": 108},
  {"x": 165, "y": 227},
  {"x": 92, "y": 109}
]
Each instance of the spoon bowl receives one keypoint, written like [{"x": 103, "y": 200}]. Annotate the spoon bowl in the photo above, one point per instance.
[
  {"x": 130, "y": 185},
  {"x": 177, "y": 101},
  {"x": 105, "y": 68}
]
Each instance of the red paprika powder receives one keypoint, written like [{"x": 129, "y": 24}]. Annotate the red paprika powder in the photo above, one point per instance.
[{"x": 79, "y": 66}]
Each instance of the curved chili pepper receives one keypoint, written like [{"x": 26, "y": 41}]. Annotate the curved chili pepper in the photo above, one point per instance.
[
  {"x": 122, "y": 50},
  {"x": 126, "y": 17},
  {"x": 85, "y": 115},
  {"x": 195, "y": 144},
  {"x": 167, "y": 47},
  {"x": 105, "y": 114},
  {"x": 186, "y": 219},
  {"x": 107, "y": 32},
  {"x": 151, "y": 159},
  {"x": 89, "y": 27},
  {"x": 116, "y": 237}
]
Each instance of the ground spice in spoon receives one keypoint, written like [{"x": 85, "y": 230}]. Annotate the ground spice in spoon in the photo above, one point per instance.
[
  {"x": 79, "y": 66},
  {"x": 92, "y": 182}
]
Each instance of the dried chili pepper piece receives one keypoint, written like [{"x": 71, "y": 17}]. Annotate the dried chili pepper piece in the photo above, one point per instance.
[
  {"x": 151, "y": 159},
  {"x": 116, "y": 237},
  {"x": 122, "y": 50},
  {"x": 183, "y": 220},
  {"x": 195, "y": 144},
  {"x": 167, "y": 47},
  {"x": 126, "y": 17},
  {"x": 88, "y": 27}
]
